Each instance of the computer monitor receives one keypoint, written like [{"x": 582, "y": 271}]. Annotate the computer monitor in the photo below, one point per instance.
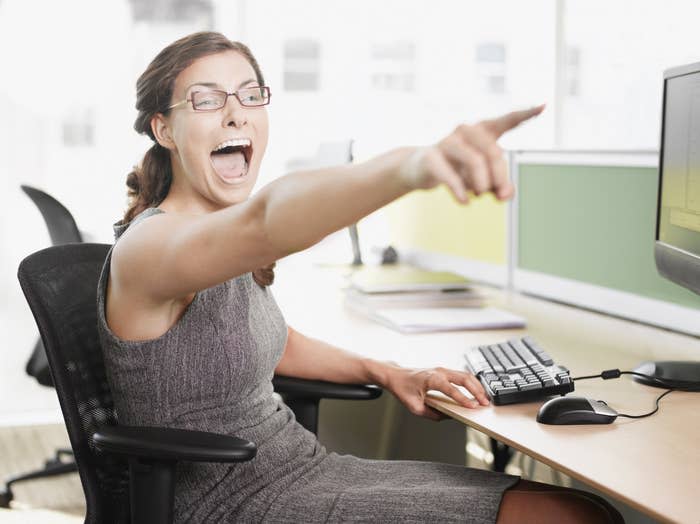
[{"x": 677, "y": 246}]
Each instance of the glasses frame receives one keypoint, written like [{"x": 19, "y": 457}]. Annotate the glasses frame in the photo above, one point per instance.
[{"x": 234, "y": 94}]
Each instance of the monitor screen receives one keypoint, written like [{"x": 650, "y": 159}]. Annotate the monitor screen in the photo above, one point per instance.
[{"x": 677, "y": 250}]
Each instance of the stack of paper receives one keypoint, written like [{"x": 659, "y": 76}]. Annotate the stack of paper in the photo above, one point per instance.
[
  {"x": 413, "y": 300},
  {"x": 423, "y": 320}
]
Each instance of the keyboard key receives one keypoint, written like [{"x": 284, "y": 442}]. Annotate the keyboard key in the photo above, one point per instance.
[
  {"x": 540, "y": 353},
  {"x": 495, "y": 350},
  {"x": 503, "y": 359},
  {"x": 493, "y": 362},
  {"x": 534, "y": 346},
  {"x": 477, "y": 362},
  {"x": 544, "y": 358},
  {"x": 503, "y": 391},
  {"x": 513, "y": 356},
  {"x": 530, "y": 387},
  {"x": 523, "y": 351}
]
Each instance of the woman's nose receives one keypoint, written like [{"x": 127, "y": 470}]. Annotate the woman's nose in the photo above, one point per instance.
[{"x": 234, "y": 113}]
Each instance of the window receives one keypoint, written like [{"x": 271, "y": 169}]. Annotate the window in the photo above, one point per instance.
[
  {"x": 573, "y": 71},
  {"x": 78, "y": 129},
  {"x": 302, "y": 64},
  {"x": 160, "y": 11},
  {"x": 491, "y": 67},
  {"x": 393, "y": 66}
]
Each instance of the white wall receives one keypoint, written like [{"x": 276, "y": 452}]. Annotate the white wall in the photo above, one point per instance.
[{"x": 81, "y": 55}]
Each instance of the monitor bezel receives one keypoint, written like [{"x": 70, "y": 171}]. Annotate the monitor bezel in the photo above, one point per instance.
[{"x": 673, "y": 263}]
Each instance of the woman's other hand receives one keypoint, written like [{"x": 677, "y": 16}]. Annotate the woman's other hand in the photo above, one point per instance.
[
  {"x": 468, "y": 159},
  {"x": 411, "y": 386}
]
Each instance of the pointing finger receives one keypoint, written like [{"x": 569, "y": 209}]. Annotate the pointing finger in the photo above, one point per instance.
[
  {"x": 481, "y": 137},
  {"x": 445, "y": 171},
  {"x": 470, "y": 163},
  {"x": 500, "y": 125}
]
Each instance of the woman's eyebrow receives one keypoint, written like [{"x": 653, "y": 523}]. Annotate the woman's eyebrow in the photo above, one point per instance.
[{"x": 218, "y": 86}]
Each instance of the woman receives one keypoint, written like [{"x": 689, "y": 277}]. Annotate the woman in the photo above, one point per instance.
[{"x": 191, "y": 338}]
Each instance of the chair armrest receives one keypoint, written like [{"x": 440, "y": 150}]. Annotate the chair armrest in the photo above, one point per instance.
[
  {"x": 170, "y": 444},
  {"x": 297, "y": 388}
]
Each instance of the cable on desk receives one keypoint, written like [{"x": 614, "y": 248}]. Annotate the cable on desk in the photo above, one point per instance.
[
  {"x": 651, "y": 412},
  {"x": 680, "y": 385},
  {"x": 673, "y": 385}
]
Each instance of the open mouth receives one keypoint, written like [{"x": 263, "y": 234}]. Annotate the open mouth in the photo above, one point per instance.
[{"x": 232, "y": 158}]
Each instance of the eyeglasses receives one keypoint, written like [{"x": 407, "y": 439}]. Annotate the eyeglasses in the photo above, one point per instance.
[{"x": 214, "y": 99}]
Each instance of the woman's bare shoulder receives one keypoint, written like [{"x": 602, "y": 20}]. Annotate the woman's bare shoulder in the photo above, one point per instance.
[
  {"x": 146, "y": 236},
  {"x": 138, "y": 248}
]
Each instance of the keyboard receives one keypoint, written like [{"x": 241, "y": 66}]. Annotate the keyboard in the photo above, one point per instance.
[{"x": 518, "y": 370}]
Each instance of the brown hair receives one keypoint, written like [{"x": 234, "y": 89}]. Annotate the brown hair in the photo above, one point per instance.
[{"x": 148, "y": 184}]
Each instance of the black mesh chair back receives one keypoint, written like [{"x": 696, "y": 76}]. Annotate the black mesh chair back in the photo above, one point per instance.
[
  {"x": 62, "y": 230},
  {"x": 59, "y": 221},
  {"x": 60, "y": 285}
]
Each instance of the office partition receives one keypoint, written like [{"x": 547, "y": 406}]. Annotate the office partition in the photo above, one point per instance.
[
  {"x": 431, "y": 229},
  {"x": 582, "y": 230}
]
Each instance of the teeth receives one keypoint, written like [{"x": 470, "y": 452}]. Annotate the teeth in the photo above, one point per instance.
[{"x": 234, "y": 142}]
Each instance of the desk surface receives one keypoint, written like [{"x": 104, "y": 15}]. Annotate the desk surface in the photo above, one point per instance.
[{"x": 652, "y": 464}]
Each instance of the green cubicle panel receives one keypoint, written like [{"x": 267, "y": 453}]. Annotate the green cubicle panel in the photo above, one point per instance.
[{"x": 593, "y": 224}]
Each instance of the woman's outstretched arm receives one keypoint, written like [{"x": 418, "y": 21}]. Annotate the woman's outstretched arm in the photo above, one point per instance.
[{"x": 171, "y": 256}]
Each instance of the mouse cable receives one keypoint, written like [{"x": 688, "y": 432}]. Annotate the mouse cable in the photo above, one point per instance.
[
  {"x": 681, "y": 385},
  {"x": 672, "y": 385},
  {"x": 651, "y": 412}
]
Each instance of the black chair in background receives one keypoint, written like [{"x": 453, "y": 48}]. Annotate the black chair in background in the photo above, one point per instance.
[
  {"x": 127, "y": 473},
  {"x": 62, "y": 230},
  {"x": 59, "y": 221}
]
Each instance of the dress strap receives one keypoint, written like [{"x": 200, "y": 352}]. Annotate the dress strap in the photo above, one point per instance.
[{"x": 120, "y": 227}]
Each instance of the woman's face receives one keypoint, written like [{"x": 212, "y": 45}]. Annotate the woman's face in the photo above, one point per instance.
[{"x": 215, "y": 180}]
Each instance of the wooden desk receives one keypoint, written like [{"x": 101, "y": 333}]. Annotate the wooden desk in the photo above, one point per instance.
[{"x": 652, "y": 464}]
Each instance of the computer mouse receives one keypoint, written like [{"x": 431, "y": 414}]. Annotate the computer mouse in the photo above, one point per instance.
[{"x": 575, "y": 410}]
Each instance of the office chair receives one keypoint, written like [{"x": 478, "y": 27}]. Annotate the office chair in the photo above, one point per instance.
[
  {"x": 62, "y": 230},
  {"x": 59, "y": 221},
  {"x": 127, "y": 473}
]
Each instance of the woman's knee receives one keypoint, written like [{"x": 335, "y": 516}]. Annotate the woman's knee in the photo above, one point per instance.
[{"x": 544, "y": 504}]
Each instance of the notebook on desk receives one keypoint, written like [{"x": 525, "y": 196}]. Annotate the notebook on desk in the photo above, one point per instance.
[
  {"x": 414, "y": 299},
  {"x": 401, "y": 278}
]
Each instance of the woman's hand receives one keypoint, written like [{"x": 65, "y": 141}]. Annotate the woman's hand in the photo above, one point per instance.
[
  {"x": 411, "y": 386},
  {"x": 468, "y": 159}
]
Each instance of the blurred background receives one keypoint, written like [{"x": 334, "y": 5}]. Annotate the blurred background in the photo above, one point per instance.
[{"x": 383, "y": 74}]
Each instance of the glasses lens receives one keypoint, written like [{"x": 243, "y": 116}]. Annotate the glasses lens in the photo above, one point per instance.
[
  {"x": 208, "y": 100},
  {"x": 253, "y": 96}
]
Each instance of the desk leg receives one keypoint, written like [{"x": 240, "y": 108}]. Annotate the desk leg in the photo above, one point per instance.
[{"x": 501, "y": 455}]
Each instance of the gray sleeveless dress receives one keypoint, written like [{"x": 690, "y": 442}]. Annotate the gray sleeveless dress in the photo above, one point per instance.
[{"x": 212, "y": 371}]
